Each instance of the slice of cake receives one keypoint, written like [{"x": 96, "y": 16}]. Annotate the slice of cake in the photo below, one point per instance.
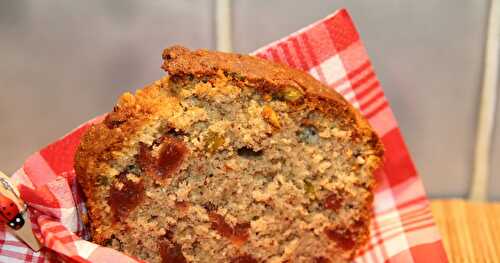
[{"x": 230, "y": 158}]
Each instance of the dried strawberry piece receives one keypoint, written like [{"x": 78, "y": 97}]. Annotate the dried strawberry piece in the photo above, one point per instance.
[
  {"x": 244, "y": 259},
  {"x": 146, "y": 160},
  {"x": 125, "y": 199},
  {"x": 344, "y": 238},
  {"x": 171, "y": 253},
  {"x": 172, "y": 154},
  {"x": 220, "y": 225},
  {"x": 238, "y": 235},
  {"x": 333, "y": 201},
  {"x": 182, "y": 206},
  {"x": 321, "y": 260}
]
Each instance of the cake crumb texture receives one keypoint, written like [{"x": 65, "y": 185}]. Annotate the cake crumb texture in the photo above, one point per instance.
[{"x": 230, "y": 158}]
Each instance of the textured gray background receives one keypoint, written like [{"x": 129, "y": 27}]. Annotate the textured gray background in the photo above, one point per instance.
[{"x": 64, "y": 62}]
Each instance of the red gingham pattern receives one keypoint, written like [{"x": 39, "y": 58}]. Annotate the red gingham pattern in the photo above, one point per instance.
[{"x": 402, "y": 228}]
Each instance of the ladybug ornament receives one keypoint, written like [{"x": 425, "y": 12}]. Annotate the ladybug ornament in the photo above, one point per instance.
[
  {"x": 14, "y": 213},
  {"x": 10, "y": 214}
]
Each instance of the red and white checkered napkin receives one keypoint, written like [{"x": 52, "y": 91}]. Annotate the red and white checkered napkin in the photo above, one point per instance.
[{"x": 403, "y": 229}]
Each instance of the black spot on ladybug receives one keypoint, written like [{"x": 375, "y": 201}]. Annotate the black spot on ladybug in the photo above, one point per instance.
[
  {"x": 8, "y": 213},
  {"x": 17, "y": 222},
  {"x": 4, "y": 208},
  {"x": 11, "y": 204}
]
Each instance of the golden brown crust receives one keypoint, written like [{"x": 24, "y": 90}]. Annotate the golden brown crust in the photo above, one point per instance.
[{"x": 258, "y": 72}]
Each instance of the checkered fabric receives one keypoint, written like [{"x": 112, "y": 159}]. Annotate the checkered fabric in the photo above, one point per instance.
[{"x": 402, "y": 229}]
